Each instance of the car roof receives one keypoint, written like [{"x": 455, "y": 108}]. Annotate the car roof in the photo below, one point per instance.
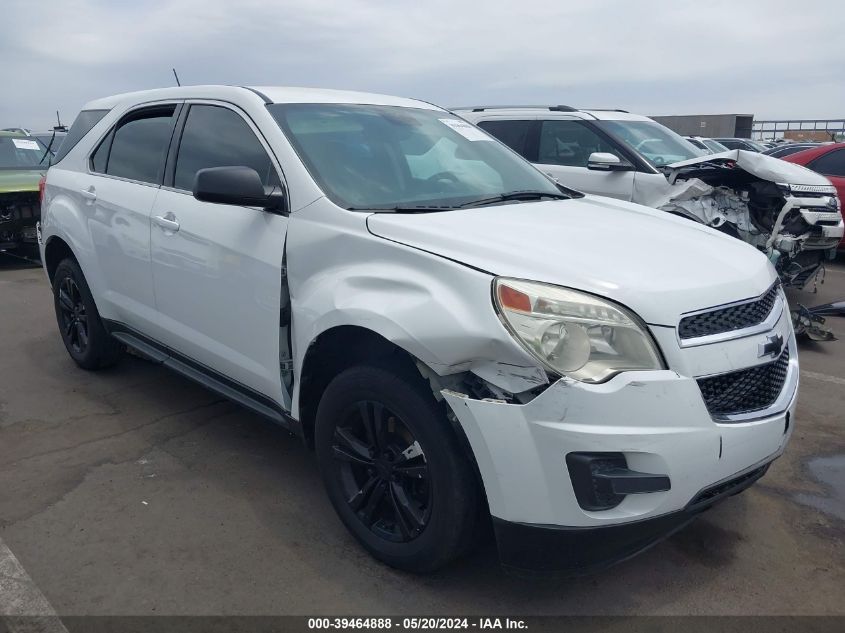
[
  {"x": 269, "y": 94},
  {"x": 552, "y": 111}
]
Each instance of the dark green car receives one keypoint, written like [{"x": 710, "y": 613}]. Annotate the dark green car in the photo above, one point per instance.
[{"x": 22, "y": 164}]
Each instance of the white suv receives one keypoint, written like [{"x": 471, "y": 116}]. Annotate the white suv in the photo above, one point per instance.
[
  {"x": 790, "y": 213},
  {"x": 454, "y": 334}
]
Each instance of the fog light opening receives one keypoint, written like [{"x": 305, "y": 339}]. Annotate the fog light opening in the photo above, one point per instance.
[{"x": 602, "y": 480}]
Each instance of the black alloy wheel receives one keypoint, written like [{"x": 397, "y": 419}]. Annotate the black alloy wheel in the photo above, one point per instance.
[
  {"x": 383, "y": 472},
  {"x": 394, "y": 467},
  {"x": 73, "y": 319},
  {"x": 82, "y": 330}
]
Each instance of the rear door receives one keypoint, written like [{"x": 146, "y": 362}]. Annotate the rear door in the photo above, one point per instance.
[
  {"x": 217, "y": 269},
  {"x": 520, "y": 135},
  {"x": 125, "y": 173}
]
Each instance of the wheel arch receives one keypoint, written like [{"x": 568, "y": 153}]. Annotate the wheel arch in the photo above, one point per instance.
[
  {"x": 335, "y": 350},
  {"x": 344, "y": 346},
  {"x": 55, "y": 250}
]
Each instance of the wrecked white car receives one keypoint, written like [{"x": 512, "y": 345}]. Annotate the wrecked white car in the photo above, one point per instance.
[
  {"x": 790, "y": 213},
  {"x": 787, "y": 211},
  {"x": 455, "y": 335}
]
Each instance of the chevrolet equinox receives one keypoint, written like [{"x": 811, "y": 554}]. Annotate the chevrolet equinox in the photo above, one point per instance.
[{"x": 459, "y": 338}]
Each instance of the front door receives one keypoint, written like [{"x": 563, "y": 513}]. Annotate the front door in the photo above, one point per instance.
[
  {"x": 217, "y": 269},
  {"x": 563, "y": 152}
]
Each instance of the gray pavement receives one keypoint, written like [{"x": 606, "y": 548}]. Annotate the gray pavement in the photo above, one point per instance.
[{"x": 134, "y": 491}]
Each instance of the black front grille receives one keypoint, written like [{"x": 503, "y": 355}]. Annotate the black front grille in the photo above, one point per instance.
[
  {"x": 745, "y": 390},
  {"x": 711, "y": 495},
  {"x": 736, "y": 317}
]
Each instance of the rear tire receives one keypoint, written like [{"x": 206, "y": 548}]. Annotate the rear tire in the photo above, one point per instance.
[
  {"x": 394, "y": 469},
  {"x": 82, "y": 330}
]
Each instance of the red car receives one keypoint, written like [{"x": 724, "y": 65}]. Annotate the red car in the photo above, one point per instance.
[{"x": 828, "y": 160}]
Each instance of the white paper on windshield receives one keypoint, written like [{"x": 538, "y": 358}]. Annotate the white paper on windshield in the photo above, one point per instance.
[
  {"x": 25, "y": 143},
  {"x": 469, "y": 132}
]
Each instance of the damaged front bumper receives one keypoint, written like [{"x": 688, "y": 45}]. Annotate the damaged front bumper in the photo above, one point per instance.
[
  {"x": 655, "y": 422},
  {"x": 537, "y": 549},
  {"x": 19, "y": 213}
]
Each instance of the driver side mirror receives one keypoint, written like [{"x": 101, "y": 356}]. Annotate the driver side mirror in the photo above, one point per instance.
[
  {"x": 239, "y": 186},
  {"x": 605, "y": 161}
]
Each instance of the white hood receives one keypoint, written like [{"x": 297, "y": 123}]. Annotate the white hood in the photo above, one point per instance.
[
  {"x": 658, "y": 265},
  {"x": 760, "y": 165}
]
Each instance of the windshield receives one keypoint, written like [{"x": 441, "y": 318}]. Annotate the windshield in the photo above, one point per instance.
[
  {"x": 657, "y": 144},
  {"x": 715, "y": 146},
  {"x": 388, "y": 157},
  {"x": 46, "y": 139},
  {"x": 756, "y": 145},
  {"x": 22, "y": 152},
  {"x": 698, "y": 144}
]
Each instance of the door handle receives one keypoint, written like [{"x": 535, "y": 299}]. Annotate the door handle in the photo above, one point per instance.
[
  {"x": 168, "y": 222},
  {"x": 89, "y": 194}
]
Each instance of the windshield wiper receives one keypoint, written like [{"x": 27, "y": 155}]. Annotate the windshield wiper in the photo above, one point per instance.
[
  {"x": 403, "y": 209},
  {"x": 528, "y": 194},
  {"x": 47, "y": 151}
]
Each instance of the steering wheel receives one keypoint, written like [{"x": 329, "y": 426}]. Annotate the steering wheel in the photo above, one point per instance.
[
  {"x": 444, "y": 175},
  {"x": 659, "y": 161}
]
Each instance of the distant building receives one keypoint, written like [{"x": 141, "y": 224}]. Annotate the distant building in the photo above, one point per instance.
[{"x": 710, "y": 125}]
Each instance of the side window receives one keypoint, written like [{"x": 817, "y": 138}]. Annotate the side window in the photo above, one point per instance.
[
  {"x": 830, "y": 164},
  {"x": 514, "y": 134},
  {"x": 139, "y": 145},
  {"x": 569, "y": 143},
  {"x": 215, "y": 136},
  {"x": 100, "y": 157},
  {"x": 83, "y": 124}
]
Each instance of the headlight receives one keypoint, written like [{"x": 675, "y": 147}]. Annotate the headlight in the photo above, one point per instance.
[{"x": 573, "y": 333}]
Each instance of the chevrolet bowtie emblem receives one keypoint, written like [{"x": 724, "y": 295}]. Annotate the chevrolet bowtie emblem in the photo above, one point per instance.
[{"x": 772, "y": 346}]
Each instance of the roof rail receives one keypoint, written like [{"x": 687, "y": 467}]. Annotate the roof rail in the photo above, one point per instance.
[
  {"x": 554, "y": 108},
  {"x": 607, "y": 110}
]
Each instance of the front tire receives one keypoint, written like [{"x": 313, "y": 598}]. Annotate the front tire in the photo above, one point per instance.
[
  {"x": 81, "y": 328},
  {"x": 394, "y": 469}
]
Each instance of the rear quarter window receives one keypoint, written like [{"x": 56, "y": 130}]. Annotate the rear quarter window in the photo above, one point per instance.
[{"x": 83, "y": 124}]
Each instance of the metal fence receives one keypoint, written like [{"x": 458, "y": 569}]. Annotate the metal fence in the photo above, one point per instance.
[{"x": 815, "y": 129}]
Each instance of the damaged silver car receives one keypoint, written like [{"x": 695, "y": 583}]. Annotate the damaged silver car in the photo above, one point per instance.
[{"x": 790, "y": 213}]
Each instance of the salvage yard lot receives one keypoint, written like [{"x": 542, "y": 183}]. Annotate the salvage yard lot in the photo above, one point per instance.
[{"x": 134, "y": 491}]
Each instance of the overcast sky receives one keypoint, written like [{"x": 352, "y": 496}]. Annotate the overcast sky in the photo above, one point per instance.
[{"x": 774, "y": 59}]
